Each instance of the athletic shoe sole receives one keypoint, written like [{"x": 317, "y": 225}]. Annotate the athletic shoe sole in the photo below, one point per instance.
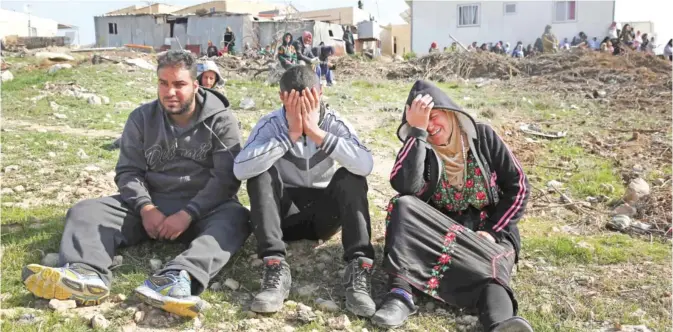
[
  {"x": 51, "y": 283},
  {"x": 185, "y": 307}
]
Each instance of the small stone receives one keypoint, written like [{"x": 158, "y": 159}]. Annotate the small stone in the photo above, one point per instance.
[
  {"x": 430, "y": 306},
  {"x": 339, "y": 323},
  {"x": 155, "y": 264},
  {"x": 54, "y": 106},
  {"x": 60, "y": 116},
  {"x": 553, "y": 184},
  {"x": 82, "y": 155},
  {"x": 58, "y": 305},
  {"x": 659, "y": 182},
  {"x": 216, "y": 286},
  {"x": 232, "y": 284},
  {"x": 92, "y": 168},
  {"x": 306, "y": 291},
  {"x": 27, "y": 318},
  {"x": 19, "y": 189},
  {"x": 197, "y": 323},
  {"x": 466, "y": 320},
  {"x": 620, "y": 222},
  {"x": 105, "y": 100},
  {"x": 287, "y": 328},
  {"x": 6, "y": 76},
  {"x": 637, "y": 189},
  {"x": 592, "y": 200},
  {"x": 117, "y": 298},
  {"x": 625, "y": 209},
  {"x": 58, "y": 67},
  {"x": 256, "y": 262},
  {"x": 94, "y": 100},
  {"x": 139, "y": 316},
  {"x": 600, "y": 93},
  {"x": 250, "y": 314},
  {"x": 51, "y": 154},
  {"x": 7, "y": 191},
  {"x": 99, "y": 322},
  {"x": 327, "y": 305},
  {"x": 584, "y": 280},
  {"x": 638, "y": 168},
  {"x": 11, "y": 168},
  {"x": 130, "y": 327},
  {"x": 117, "y": 260},
  {"x": 50, "y": 259}
]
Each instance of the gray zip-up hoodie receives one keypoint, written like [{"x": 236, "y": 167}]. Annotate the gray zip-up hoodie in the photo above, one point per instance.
[
  {"x": 196, "y": 165},
  {"x": 303, "y": 164}
]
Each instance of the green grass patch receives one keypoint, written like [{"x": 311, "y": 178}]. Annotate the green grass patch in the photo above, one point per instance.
[{"x": 607, "y": 249}]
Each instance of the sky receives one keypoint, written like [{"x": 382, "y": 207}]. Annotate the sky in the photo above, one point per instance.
[{"x": 81, "y": 13}]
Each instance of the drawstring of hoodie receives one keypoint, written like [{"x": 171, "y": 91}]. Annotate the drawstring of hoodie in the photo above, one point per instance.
[{"x": 226, "y": 148}]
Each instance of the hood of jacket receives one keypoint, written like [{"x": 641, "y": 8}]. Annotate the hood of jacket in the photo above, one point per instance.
[
  {"x": 208, "y": 65},
  {"x": 287, "y": 43},
  {"x": 442, "y": 101}
]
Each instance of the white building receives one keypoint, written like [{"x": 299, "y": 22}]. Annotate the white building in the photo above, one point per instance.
[
  {"x": 509, "y": 21},
  {"x": 25, "y": 25}
]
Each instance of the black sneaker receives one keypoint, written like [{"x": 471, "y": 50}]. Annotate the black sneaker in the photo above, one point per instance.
[
  {"x": 514, "y": 324},
  {"x": 394, "y": 311},
  {"x": 276, "y": 283},
  {"x": 357, "y": 280}
]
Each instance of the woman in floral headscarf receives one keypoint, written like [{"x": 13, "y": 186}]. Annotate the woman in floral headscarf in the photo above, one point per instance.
[{"x": 451, "y": 232}]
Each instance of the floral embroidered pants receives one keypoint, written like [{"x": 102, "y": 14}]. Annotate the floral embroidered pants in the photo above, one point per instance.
[{"x": 442, "y": 258}]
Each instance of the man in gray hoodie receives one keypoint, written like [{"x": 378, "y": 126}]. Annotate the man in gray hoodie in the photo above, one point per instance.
[
  {"x": 297, "y": 191},
  {"x": 176, "y": 182}
]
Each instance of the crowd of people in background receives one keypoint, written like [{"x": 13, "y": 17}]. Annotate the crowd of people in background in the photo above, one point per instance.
[{"x": 615, "y": 42}]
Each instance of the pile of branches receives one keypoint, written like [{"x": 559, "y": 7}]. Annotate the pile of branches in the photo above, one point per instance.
[{"x": 447, "y": 66}]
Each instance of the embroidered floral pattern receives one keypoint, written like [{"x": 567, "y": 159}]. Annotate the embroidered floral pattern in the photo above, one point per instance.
[
  {"x": 444, "y": 260},
  {"x": 473, "y": 192}
]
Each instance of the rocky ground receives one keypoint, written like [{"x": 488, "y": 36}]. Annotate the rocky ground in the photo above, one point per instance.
[{"x": 593, "y": 134}]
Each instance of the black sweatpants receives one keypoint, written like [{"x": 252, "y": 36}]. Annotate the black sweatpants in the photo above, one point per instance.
[
  {"x": 289, "y": 214},
  {"x": 96, "y": 228}
]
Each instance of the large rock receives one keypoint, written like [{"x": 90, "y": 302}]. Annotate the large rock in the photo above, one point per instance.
[
  {"x": 637, "y": 189},
  {"x": 54, "y": 56},
  {"x": 7, "y": 76}
]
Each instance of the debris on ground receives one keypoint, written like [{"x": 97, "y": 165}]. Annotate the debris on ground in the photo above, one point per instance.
[{"x": 533, "y": 129}]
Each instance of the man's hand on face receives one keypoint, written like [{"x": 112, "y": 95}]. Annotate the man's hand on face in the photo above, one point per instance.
[
  {"x": 174, "y": 225},
  {"x": 310, "y": 113},
  {"x": 152, "y": 220},
  {"x": 291, "y": 101}
]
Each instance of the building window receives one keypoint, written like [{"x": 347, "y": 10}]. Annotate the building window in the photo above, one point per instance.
[
  {"x": 565, "y": 11},
  {"x": 331, "y": 33},
  {"x": 510, "y": 8},
  {"x": 212, "y": 9},
  {"x": 468, "y": 15},
  {"x": 112, "y": 28}
]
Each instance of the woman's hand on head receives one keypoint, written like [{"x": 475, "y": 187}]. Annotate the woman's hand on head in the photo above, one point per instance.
[{"x": 418, "y": 114}]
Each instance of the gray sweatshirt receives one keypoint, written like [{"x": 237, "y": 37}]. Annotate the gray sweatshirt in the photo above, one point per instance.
[
  {"x": 194, "y": 163},
  {"x": 303, "y": 164}
]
